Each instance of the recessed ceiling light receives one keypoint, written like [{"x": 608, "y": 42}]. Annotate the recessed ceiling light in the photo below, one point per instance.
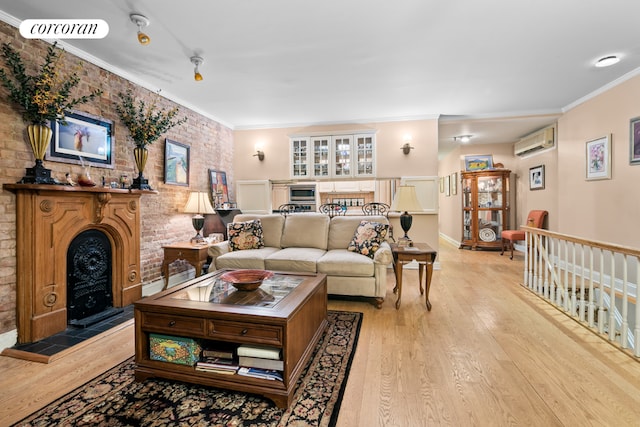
[
  {"x": 462, "y": 138},
  {"x": 607, "y": 61}
]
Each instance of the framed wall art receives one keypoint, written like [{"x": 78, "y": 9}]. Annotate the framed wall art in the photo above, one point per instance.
[
  {"x": 478, "y": 162},
  {"x": 84, "y": 140},
  {"x": 536, "y": 178},
  {"x": 634, "y": 142},
  {"x": 598, "y": 158},
  {"x": 176, "y": 163},
  {"x": 219, "y": 188},
  {"x": 447, "y": 185}
]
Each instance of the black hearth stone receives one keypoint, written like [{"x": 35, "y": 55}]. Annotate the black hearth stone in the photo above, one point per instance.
[{"x": 98, "y": 317}]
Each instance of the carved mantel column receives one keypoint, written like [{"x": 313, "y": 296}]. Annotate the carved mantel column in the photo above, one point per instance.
[{"x": 48, "y": 217}]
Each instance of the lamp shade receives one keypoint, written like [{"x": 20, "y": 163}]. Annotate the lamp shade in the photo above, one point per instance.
[
  {"x": 406, "y": 199},
  {"x": 198, "y": 203}
]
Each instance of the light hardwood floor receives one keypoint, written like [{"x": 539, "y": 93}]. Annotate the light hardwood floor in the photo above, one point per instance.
[{"x": 490, "y": 353}]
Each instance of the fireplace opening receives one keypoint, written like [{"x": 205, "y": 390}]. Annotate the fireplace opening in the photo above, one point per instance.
[{"x": 89, "y": 282}]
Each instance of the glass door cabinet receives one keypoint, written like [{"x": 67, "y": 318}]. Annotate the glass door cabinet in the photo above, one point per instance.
[{"x": 485, "y": 208}]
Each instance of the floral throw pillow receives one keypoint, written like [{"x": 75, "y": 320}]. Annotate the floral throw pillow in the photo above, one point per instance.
[
  {"x": 245, "y": 235},
  {"x": 368, "y": 237}
]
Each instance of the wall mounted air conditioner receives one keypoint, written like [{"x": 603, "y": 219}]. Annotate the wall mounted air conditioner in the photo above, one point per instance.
[{"x": 540, "y": 140}]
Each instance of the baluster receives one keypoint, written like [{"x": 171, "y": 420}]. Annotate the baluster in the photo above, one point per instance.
[
  {"x": 591, "y": 290},
  {"x": 574, "y": 298},
  {"x": 552, "y": 271},
  {"x": 565, "y": 284},
  {"x": 612, "y": 299},
  {"x": 601, "y": 308},
  {"x": 581, "y": 308},
  {"x": 624, "y": 328},
  {"x": 636, "y": 341},
  {"x": 547, "y": 265}
]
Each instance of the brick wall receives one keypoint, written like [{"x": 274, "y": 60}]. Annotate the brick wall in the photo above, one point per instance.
[{"x": 162, "y": 222}]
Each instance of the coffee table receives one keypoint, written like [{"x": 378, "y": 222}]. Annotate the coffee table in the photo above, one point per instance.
[{"x": 288, "y": 312}]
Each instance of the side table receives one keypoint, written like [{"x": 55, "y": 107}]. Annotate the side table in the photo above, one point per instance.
[
  {"x": 194, "y": 254},
  {"x": 424, "y": 255}
]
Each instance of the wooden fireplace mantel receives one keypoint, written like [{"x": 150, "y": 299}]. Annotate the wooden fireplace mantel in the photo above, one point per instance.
[{"x": 48, "y": 217}]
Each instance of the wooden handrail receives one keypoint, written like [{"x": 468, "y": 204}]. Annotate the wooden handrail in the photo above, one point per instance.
[{"x": 594, "y": 243}]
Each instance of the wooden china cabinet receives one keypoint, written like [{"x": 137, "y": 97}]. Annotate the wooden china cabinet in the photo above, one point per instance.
[{"x": 485, "y": 208}]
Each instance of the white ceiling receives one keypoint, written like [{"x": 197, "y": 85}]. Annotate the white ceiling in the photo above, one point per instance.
[{"x": 496, "y": 69}]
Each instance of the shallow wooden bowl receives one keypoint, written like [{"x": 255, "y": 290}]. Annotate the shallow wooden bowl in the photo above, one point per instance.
[{"x": 246, "y": 279}]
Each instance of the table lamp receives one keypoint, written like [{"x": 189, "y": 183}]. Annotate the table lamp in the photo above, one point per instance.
[
  {"x": 406, "y": 200},
  {"x": 198, "y": 204}
]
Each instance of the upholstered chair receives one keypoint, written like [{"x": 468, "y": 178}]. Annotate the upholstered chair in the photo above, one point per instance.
[{"x": 509, "y": 237}]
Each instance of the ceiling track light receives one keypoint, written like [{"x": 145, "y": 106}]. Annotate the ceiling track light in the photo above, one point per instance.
[
  {"x": 462, "y": 138},
  {"x": 142, "y": 22},
  {"x": 197, "y": 61}
]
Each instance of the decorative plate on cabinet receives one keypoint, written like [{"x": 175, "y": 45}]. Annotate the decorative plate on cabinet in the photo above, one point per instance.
[{"x": 487, "y": 235}]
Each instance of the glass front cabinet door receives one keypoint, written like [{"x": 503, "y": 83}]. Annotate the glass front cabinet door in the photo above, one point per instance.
[
  {"x": 364, "y": 155},
  {"x": 342, "y": 156},
  {"x": 485, "y": 208},
  {"x": 321, "y": 156},
  {"x": 300, "y": 157}
]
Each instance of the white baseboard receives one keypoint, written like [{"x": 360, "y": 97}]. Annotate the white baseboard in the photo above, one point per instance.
[{"x": 8, "y": 339}]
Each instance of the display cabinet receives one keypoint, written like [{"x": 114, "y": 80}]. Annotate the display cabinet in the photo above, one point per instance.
[{"x": 485, "y": 208}]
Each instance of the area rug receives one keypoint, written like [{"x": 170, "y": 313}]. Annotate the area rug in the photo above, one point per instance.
[{"x": 116, "y": 399}]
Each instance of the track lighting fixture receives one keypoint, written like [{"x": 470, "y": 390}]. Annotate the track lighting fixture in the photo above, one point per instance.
[
  {"x": 142, "y": 22},
  {"x": 197, "y": 61},
  {"x": 462, "y": 138}
]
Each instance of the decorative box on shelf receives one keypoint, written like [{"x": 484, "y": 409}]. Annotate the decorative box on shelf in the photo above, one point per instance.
[{"x": 166, "y": 348}]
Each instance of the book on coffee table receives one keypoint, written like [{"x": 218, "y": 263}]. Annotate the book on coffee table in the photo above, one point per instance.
[
  {"x": 262, "y": 351},
  {"x": 259, "y": 362}
]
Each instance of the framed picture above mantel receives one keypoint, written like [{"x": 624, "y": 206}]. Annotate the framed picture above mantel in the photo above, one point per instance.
[{"x": 85, "y": 139}]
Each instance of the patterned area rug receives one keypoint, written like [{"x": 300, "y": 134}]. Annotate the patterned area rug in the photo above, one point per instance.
[{"x": 116, "y": 399}]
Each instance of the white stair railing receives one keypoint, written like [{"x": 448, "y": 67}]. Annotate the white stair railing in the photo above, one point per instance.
[{"x": 594, "y": 283}]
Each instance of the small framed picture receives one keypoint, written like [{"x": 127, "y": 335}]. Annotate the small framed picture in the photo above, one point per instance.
[
  {"x": 478, "y": 163},
  {"x": 598, "y": 158},
  {"x": 447, "y": 185},
  {"x": 536, "y": 178},
  {"x": 634, "y": 142},
  {"x": 176, "y": 163}
]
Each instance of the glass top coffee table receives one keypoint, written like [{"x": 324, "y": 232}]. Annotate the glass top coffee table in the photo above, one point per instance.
[{"x": 288, "y": 312}]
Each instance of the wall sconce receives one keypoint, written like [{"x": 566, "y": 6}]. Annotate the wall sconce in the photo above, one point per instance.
[
  {"x": 462, "y": 138},
  {"x": 197, "y": 61},
  {"x": 259, "y": 152},
  {"x": 142, "y": 22},
  {"x": 406, "y": 148}
]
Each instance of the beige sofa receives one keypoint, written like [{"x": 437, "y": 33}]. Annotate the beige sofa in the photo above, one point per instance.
[{"x": 313, "y": 242}]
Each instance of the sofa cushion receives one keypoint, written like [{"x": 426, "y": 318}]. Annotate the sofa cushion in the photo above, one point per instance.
[
  {"x": 294, "y": 259},
  {"x": 341, "y": 262},
  {"x": 245, "y": 235},
  {"x": 305, "y": 230},
  {"x": 249, "y": 258},
  {"x": 342, "y": 229},
  {"x": 272, "y": 225},
  {"x": 368, "y": 237}
]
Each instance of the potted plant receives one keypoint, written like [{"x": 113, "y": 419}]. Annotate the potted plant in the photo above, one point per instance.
[
  {"x": 145, "y": 124},
  {"x": 42, "y": 98}
]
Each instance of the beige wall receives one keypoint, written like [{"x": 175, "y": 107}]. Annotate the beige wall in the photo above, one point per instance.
[
  {"x": 390, "y": 161},
  {"x": 606, "y": 210}
]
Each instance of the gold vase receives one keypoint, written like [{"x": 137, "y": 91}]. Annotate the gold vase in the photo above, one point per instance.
[
  {"x": 39, "y": 138},
  {"x": 140, "y": 155}
]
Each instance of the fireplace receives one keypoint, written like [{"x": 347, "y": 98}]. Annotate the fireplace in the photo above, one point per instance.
[
  {"x": 89, "y": 288},
  {"x": 49, "y": 219}
]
